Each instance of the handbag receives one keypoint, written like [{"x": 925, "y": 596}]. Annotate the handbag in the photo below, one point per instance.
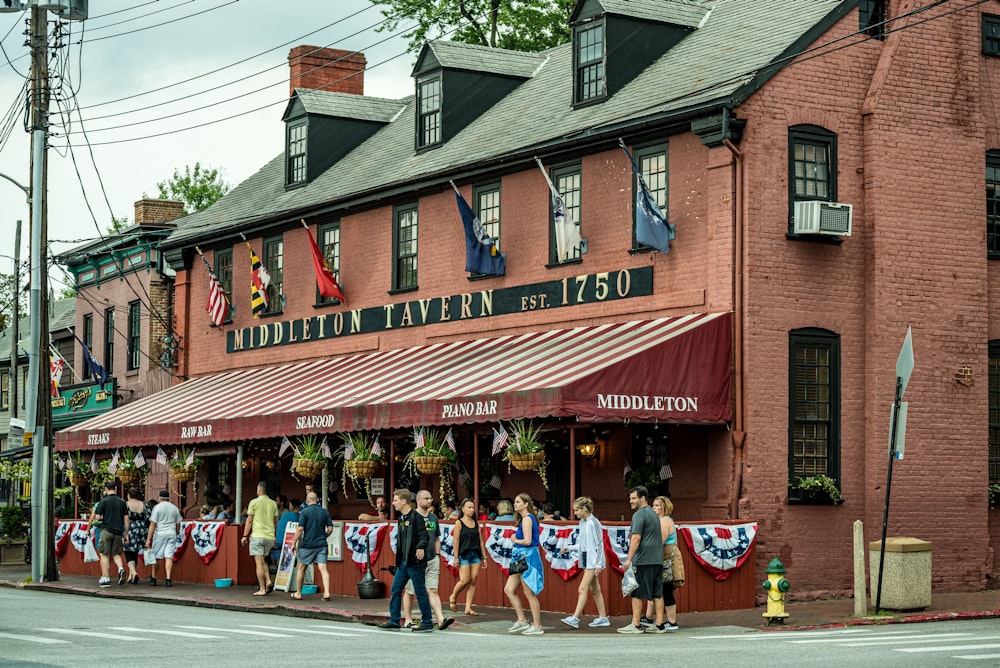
[
  {"x": 518, "y": 565},
  {"x": 668, "y": 566},
  {"x": 677, "y": 566}
]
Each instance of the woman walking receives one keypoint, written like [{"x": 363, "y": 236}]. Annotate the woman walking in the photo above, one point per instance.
[
  {"x": 470, "y": 550},
  {"x": 591, "y": 543},
  {"x": 138, "y": 529},
  {"x": 532, "y": 580},
  {"x": 663, "y": 507}
]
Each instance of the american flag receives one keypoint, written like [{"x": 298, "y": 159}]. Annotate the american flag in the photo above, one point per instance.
[
  {"x": 190, "y": 458},
  {"x": 139, "y": 460},
  {"x": 348, "y": 451},
  {"x": 285, "y": 444},
  {"x": 495, "y": 481},
  {"x": 665, "y": 472},
  {"x": 93, "y": 463},
  {"x": 463, "y": 477},
  {"x": 113, "y": 466},
  {"x": 325, "y": 449},
  {"x": 161, "y": 456},
  {"x": 499, "y": 439},
  {"x": 60, "y": 462},
  {"x": 377, "y": 449},
  {"x": 217, "y": 305},
  {"x": 628, "y": 469},
  {"x": 418, "y": 440},
  {"x": 449, "y": 438}
]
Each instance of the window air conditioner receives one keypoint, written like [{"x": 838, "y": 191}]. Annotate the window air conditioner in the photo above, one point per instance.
[{"x": 818, "y": 217}]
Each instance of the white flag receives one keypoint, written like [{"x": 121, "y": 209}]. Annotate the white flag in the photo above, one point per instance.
[{"x": 567, "y": 232}]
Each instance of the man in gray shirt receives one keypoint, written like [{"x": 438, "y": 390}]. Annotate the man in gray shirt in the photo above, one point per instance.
[
  {"x": 645, "y": 552},
  {"x": 424, "y": 501}
]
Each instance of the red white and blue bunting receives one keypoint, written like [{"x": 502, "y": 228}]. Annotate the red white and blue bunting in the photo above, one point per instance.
[
  {"x": 206, "y": 537},
  {"x": 720, "y": 549},
  {"x": 559, "y": 545},
  {"x": 182, "y": 539},
  {"x": 361, "y": 538},
  {"x": 616, "y": 546},
  {"x": 448, "y": 546},
  {"x": 499, "y": 544}
]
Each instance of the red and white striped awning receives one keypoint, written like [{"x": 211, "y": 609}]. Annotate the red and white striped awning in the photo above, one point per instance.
[{"x": 674, "y": 370}]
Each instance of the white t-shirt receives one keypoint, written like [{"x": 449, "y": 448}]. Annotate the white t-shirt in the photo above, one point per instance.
[{"x": 166, "y": 516}]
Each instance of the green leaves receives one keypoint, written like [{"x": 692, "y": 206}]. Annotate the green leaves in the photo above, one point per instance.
[{"x": 198, "y": 187}]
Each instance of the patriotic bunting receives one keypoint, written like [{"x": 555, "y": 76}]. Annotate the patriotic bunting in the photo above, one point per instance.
[
  {"x": 720, "y": 549},
  {"x": 448, "y": 546},
  {"x": 361, "y": 538},
  {"x": 561, "y": 550},
  {"x": 616, "y": 540},
  {"x": 206, "y": 537},
  {"x": 499, "y": 544}
]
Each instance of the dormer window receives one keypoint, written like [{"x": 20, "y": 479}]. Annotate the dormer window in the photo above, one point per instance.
[
  {"x": 296, "y": 154},
  {"x": 589, "y": 67},
  {"x": 429, "y": 103}
]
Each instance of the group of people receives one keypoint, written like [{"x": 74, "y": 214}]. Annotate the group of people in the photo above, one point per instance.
[
  {"x": 218, "y": 512},
  {"x": 128, "y": 529}
]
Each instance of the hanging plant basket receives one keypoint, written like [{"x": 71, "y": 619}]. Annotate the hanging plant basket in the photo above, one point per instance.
[
  {"x": 308, "y": 468},
  {"x": 129, "y": 476},
  {"x": 529, "y": 461},
  {"x": 77, "y": 479},
  {"x": 184, "y": 474},
  {"x": 430, "y": 465},
  {"x": 362, "y": 468}
]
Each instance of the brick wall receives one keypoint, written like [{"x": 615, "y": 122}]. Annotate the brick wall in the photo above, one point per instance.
[
  {"x": 158, "y": 210},
  {"x": 332, "y": 70}
]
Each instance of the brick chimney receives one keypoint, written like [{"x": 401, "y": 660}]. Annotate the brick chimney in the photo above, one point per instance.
[
  {"x": 158, "y": 210},
  {"x": 326, "y": 69}
]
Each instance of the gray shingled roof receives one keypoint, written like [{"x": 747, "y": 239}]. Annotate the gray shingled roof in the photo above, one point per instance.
[
  {"x": 346, "y": 105},
  {"x": 712, "y": 65},
  {"x": 63, "y": 316},
  {"x": 680, "y": 12},
  {"x": 475, "y": 58}
]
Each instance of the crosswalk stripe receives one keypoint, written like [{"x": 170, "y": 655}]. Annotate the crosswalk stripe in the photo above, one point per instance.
[
  {"x": 91, "y": 634},
  {"x": 911, "y": 640},
  {"x": 875, "y": 639},
  {"x": 39, "y": 639},
  {"x": 759, "y": 635},
  {"x": 325, "y": 633},
  {"x": 951, "y": 648},
  {"x": 182, "y": 634},
  {"x": 978, "y": 657},
  {"x": 241, "y": 631}
]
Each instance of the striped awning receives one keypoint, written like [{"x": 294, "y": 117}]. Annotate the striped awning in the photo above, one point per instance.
[{"x": 675, "y": 370}]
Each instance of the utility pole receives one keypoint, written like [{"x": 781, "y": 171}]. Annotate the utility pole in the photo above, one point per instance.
[
  {"x": 38, "y": 407},
  {"x": 15, "y": 307}
]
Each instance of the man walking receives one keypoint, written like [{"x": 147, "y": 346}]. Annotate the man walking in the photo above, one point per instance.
[
  {"x": 314, "y": 526},
  {"x": 411, "y": 562},
  {"x": 262, "y": 522},
  {"x": 164, "y": 526},
  {"x": 645, "y": 552},
  {"x": 112, "y": 514},
  {"x": 433, "y": 571}
]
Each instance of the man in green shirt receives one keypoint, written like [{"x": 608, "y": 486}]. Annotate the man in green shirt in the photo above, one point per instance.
[{"x": 262, "y": 521}]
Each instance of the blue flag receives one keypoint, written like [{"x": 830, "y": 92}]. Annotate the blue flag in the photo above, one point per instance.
[
  {"x": 481, "y": 254},
  {"x": 96, "y": 370},
  {"x": 651, "y": 228}
]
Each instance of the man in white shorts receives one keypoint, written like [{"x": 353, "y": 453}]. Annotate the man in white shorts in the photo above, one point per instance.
[
  {"x": 164, "y": 525},
  {"x": 433, "y": 571}
]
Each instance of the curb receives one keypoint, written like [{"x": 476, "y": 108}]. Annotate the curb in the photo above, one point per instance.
[{"x": 885, "y": 621}]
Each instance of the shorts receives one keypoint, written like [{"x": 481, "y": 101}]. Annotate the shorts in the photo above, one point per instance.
[
  {"x": 109, "y": 544},
  {"x": 469, "y": 558},
  {"x": 668, "y": 594},
  {"x": 308, "y": 556},
  {"x": 260, "y": 546},
  {"x": 650, "y": 578},
  {"x": 164, "y": 546},
  {"x": 431, "y": 575}
]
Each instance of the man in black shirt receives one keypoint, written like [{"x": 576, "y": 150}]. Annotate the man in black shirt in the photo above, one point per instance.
[
  {"x": 411, "y": 562},
  {"x": 112, "y": 514}
]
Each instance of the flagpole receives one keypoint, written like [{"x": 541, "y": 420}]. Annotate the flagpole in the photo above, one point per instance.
[{"x": 66, "y": 364}]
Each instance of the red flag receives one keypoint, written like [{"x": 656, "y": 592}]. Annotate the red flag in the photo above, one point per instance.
[{"x": 325, "y": 280}]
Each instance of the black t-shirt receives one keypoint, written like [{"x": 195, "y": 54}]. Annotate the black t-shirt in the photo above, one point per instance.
[{"x": 112, "y": 509}]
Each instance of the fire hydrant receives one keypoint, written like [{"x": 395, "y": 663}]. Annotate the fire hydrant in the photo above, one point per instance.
[{"x": 775, "y": 585}]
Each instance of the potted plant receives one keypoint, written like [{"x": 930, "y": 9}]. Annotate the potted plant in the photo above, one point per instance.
[
  {"x": 180, "y": 469},
  {"x": 77, "y": 470},
  {"x": 432, "y": 454},
  {"x": 308, "y": 459},
  {"x": 644, "y": 475},
  {"x": 13, "y": 534},
  {"x": 994, "y": 492},
  {"x": 525, "y": 450},
  {"x": 362, "y": 458},
  {"x": 127, "y": 471},
  {"x": 816, "y": 489}
]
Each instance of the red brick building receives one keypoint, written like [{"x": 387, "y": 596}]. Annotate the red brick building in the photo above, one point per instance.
[{"x": 735, "y": 112}]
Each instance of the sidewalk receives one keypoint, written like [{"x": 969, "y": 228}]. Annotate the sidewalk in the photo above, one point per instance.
[{"x": 810, "y": 614}]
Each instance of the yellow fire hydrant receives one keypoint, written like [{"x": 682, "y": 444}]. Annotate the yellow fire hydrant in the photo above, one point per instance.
[{"x": 775, "y": 585}]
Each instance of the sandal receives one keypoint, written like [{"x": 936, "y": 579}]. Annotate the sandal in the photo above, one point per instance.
[
  {"x": 472, "y": 612},
  {"x": 453, "y": 604},
  {"x": 297, "y": 596},
  {"x": 260, "y": 593},
  {"x": 326, "y": 598}
]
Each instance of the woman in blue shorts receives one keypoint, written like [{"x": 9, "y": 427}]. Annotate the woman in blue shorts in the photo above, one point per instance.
[{"x": 470, "y": 552}]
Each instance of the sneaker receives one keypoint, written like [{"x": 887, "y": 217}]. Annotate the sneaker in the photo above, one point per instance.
[
  {"x": 121, "y": 576},
  {"x": 518, "y": 627},
  {"x": 671, "y": 627},
  {"x": 599, "y": 621},
  {"x": 151, "y": 580},
  {"x": 388, "y": 626},
  {"x": 571, "y": 621},
  {"x": 104, "y": 582},
  {"x": 645, "y": 621},
  {"x": 532, "y": 631},
  {"x": 630, "y": 629},
  {"x": 662, "y": 628},
  {"x": 168, "y": 583},
  {"x": 423, "y": 628}
]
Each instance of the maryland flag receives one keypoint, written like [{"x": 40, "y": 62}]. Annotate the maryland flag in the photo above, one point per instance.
[{"x": 259, "y": 280}]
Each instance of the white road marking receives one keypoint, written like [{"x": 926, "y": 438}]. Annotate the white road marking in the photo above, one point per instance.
[
  {"x": 787, "y": 635},
  {"x": 244, "y": 632},
  {"x": 909, "y": 640},
  {"x": 951, "y": 648},
  {"x": 39, "y": 639},
  {"x": 91, "y": 634},
  {"x": 183, "y": 634},
  {"x": 325, "y": 633},
  {"x": 978, "y": 657}
]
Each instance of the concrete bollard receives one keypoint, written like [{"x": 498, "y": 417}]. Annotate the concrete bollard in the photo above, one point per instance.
[{"x": 860, "y": 590}]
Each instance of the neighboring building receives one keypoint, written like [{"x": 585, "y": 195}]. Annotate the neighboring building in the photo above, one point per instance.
[{"x": 752, "y": 122}]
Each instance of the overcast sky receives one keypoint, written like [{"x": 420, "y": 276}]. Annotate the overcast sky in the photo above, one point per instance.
[{"x": 128, "y": 48}]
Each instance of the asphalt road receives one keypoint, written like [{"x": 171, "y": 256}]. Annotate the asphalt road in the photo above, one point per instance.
[{"x": 40, "y": 628}]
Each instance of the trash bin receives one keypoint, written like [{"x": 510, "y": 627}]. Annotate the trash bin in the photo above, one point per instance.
[{"x": 906, "y": 584}]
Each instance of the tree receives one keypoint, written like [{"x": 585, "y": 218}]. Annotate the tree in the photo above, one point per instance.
[
  {"x": 198, "y": 187},
  {"x": 521, "y": 25},
  {"x": 117, "y": 225},
  {"x": 7, "y": 300}
]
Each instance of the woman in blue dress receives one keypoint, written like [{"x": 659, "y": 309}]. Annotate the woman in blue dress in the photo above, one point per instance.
[{"x": 532, "y": 581}]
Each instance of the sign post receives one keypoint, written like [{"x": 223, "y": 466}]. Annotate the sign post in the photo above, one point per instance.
[{"x": 897, "y": 425}]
